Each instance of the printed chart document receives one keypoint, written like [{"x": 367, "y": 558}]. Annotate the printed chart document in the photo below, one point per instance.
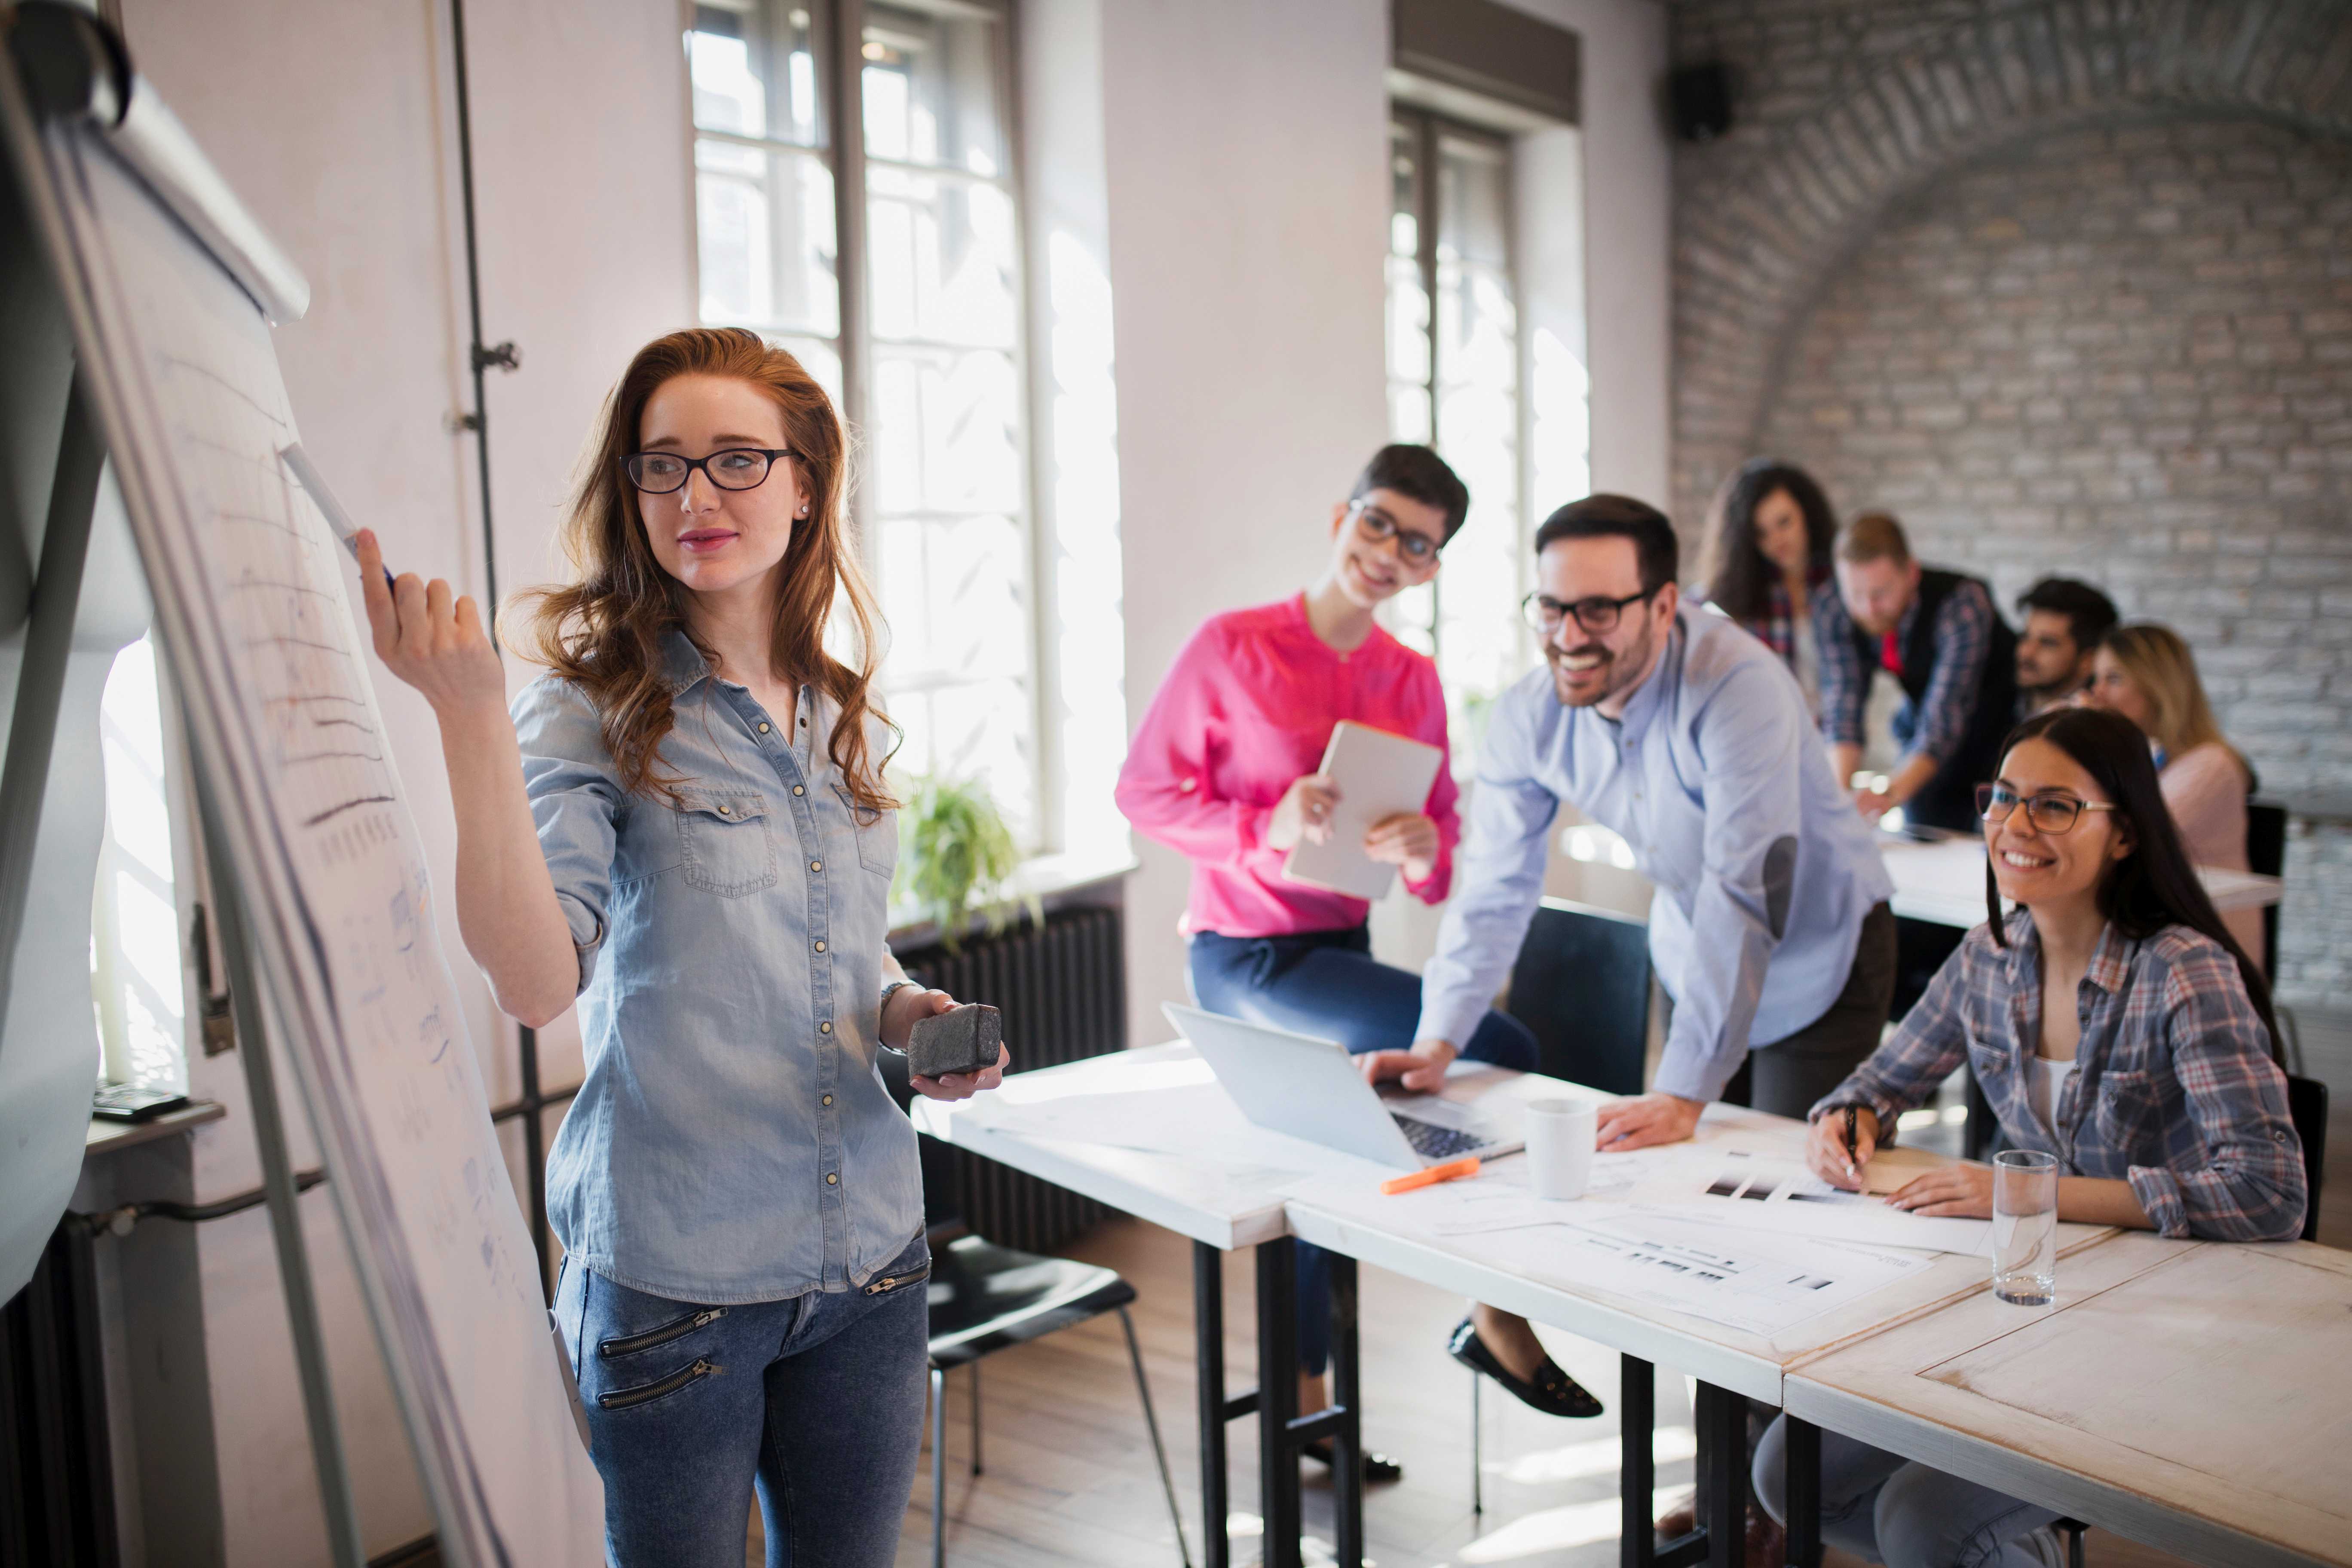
[
  {"x": 1782, "y": 1196},
  {"x": 1378, "y": 775}
]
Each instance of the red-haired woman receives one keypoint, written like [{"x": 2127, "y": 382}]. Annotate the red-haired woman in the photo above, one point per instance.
[{"x": 685, "y": 825}]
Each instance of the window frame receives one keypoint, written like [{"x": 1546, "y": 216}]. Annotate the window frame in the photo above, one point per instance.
[
  {"x": 837, "y": 37},
  {"x": 1430, "y": 127}
]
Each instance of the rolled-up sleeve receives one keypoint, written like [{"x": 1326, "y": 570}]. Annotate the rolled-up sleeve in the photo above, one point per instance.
[
  {"x": 1845, "y": 686},
  {"x": 1925, "y": 1048},
  {"x": 2236, "y": 1173},
  {"x": 576, "y": 802},
  {"x": 1963, "y": 642},
  {"x": 1750, "y": 746},
  {"x": 1501, "y": 875}
]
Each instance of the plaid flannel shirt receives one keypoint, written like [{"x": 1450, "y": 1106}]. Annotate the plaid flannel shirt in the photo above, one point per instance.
[
  {"x": 2174, "y": 1090},
  {"x": 1934, "y": 726}
]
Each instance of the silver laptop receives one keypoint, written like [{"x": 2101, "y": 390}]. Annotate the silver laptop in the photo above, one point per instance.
[{"x": 1313, "y": 1090}]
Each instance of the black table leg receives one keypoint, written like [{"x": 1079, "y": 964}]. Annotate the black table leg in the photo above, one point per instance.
[
  {"x": 1723, "y": 1475},
  {"x": 1278, "y": 1399},
  {"x": 1637, "y": 1420},
  {"x": 1347, "y": 1437},
  {"x": 1209, "y": 1353},
  {"x": 1802, "y": 1441}
]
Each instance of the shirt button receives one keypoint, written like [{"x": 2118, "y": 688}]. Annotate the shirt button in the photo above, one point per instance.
[
  {"x": 797, "y": 790},
  {"x": 828, "y": 1100},
  {"x": 722, "y": 809},
  {"x": 820, "y": 947},
  {"x": 816, "y": 865},
  {"x": 831, "y": 1180},
  {"x": 824, "y": 1030},
  {"x": 763, "y": 729}
]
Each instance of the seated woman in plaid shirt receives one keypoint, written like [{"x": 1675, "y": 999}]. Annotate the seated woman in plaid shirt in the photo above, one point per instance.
[{"x": 2113, "y": 1022}]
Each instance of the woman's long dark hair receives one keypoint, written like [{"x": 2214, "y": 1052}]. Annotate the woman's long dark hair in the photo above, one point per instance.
[
  {"x": 2153, "y": 886},
  {"x": 1735, "y": 573}
]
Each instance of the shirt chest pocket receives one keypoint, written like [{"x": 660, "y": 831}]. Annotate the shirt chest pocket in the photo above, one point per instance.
[
  {"x": 2130, "y": 1110},
  {"x": 877, "y": 835},
  {"x": 725, "y": 840}
]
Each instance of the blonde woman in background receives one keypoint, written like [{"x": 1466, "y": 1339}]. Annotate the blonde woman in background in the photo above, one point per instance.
[{"x": 2146, "y": 673}]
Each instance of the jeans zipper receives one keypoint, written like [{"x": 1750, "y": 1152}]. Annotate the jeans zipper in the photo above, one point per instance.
[
  {"x": 889, "y": 1282},
  {"x": 621, "y": 1399},
  {"x": 629, "y": 1344}
]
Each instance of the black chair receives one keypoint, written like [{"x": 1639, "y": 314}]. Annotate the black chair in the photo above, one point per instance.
[
  {"x": 2266, "y": 856},
  {"x": 984, "y": 1297},
  {"x": 1582, "y": 986},
  {"x": 2307, "y": 1107}
]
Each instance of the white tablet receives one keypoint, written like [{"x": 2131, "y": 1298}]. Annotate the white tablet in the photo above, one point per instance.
[{"x": 1377, "y": 774}]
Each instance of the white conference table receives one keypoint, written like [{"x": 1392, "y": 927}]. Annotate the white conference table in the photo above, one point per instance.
[
  {"x": 1221, "y": 1190},
  {"x": 2196, "y": 1396},
  {"x": 1943, "y": 881}
]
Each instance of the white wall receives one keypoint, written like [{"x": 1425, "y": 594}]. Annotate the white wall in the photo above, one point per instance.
[
  {"x": 336, "y": 123},
  {"x": 1247, "y": 162}
]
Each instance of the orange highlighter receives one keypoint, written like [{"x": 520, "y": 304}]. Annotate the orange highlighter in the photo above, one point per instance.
[{"x": 1429, "y": 1177}]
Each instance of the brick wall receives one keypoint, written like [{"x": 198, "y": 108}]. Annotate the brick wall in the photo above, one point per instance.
[{"x": 2088, "y": 308}]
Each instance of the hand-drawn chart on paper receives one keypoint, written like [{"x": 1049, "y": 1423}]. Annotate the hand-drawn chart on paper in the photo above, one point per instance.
[{"x": 251, "y": 592}]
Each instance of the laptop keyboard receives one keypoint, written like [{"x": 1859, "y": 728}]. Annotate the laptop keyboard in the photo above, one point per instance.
[{"x": 1432, "y": 1142}]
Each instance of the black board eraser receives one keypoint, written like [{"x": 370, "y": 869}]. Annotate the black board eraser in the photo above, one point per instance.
[{"x": 961, "y": 1040}]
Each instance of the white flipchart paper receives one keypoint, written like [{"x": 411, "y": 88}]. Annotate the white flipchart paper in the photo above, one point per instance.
[{"x": 250, "y": 596}]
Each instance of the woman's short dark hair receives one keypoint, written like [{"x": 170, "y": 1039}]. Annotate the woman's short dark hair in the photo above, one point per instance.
[
  {"x": 1734, "y": 568},
  {"x": 2155, "y": 886},
  {"x": 1418, "y": 474},
  {"x": 1619, "y": 517}
]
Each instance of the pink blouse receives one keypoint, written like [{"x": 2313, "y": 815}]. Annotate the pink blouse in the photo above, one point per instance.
[
  {"x": 2206, "y": 787},
  {"x": 1249, "y": 706}
]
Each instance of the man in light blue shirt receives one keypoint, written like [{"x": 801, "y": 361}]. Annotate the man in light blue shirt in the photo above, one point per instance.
[{"x": 1768, "y": 928}]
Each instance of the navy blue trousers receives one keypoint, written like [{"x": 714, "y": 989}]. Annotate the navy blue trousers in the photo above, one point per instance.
[{"x": 1327, "y": 985}]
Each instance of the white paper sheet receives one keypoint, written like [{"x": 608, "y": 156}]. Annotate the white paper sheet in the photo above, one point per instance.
[{"x": 1755, "y": 1193}]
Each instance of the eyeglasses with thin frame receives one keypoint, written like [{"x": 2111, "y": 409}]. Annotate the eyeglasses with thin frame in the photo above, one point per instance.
[
  {"x": 2049, "y": 812},
  {"x": 1596, "y": 615},
  {"x": 730, "y": 469},
  {"x": 1418, "y": 549}
]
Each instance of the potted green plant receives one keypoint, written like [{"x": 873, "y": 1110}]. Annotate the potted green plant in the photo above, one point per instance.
[{"x": 956, "y": 855}]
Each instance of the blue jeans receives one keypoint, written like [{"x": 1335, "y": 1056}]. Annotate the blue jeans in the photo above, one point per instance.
[
  {"x": 1327, "y": 985},
  {"x": 1885, "y": 1508},
  {"x": 817, "y": 1399}
]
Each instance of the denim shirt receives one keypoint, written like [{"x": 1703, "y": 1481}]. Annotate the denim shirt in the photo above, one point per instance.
[
  {"x": 731, "y": 1141},
  {"x": 1764, "y": 872},
  {"x": 2173, "y": 1089}
]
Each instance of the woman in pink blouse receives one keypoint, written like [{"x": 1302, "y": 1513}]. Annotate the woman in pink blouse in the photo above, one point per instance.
[
  {"x": 2147, "y": 673},
  {"x": 1222, "y": 769}
]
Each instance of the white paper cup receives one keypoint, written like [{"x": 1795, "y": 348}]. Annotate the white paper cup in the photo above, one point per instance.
[{"x": 1560, "y": 1147}]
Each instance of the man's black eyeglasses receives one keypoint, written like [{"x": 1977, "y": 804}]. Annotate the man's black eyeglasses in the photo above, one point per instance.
[
  {"x": 1596, "y": 615},
  {"x": 730, "y": 469}
]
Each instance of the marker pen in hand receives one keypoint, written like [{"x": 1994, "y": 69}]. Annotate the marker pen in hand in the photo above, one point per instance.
[{"x": 305, "y": 474}]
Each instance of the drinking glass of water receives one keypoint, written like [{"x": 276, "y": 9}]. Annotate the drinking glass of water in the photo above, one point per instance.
[{"x": 2025, "y": 1228}]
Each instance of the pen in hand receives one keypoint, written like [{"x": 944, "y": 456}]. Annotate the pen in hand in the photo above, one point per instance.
[{"x": 1852, "y": 1167}]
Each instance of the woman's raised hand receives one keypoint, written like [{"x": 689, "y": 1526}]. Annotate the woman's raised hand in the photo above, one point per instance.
[
  {"x": 1303, "y": 812},
  {"x": 435, "y": 644}
]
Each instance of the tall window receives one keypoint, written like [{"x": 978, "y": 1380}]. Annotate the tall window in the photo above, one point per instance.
[
  {"x": 868, "y": 221},
  {"x": 134, "y": 944},
  {"x": 1453, "y": 382}
]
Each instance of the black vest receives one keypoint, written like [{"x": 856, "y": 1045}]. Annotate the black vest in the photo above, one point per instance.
[{"x": 1948, "y": 799}]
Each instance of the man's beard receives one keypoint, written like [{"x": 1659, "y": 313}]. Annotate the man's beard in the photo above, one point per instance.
[{"x": 1618, "y": 670}]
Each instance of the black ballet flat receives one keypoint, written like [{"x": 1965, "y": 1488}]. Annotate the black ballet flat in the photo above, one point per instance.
[
  {"x": 1553, "y": 1392},
  {"x": 1378, "y": 1468}
]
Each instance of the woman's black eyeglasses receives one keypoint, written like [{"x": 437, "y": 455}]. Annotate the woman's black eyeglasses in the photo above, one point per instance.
[
  {"x": 2051, "y": 814},
  {"x": 730, "y": 469},
  {"x": 1596, "y": 615},
  {"x": 1377, "y": 525}
]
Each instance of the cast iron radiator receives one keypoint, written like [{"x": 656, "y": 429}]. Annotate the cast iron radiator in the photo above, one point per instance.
[
  {"x": 56, "y": 1475},
  {"x": 1061, "y": 988}
]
